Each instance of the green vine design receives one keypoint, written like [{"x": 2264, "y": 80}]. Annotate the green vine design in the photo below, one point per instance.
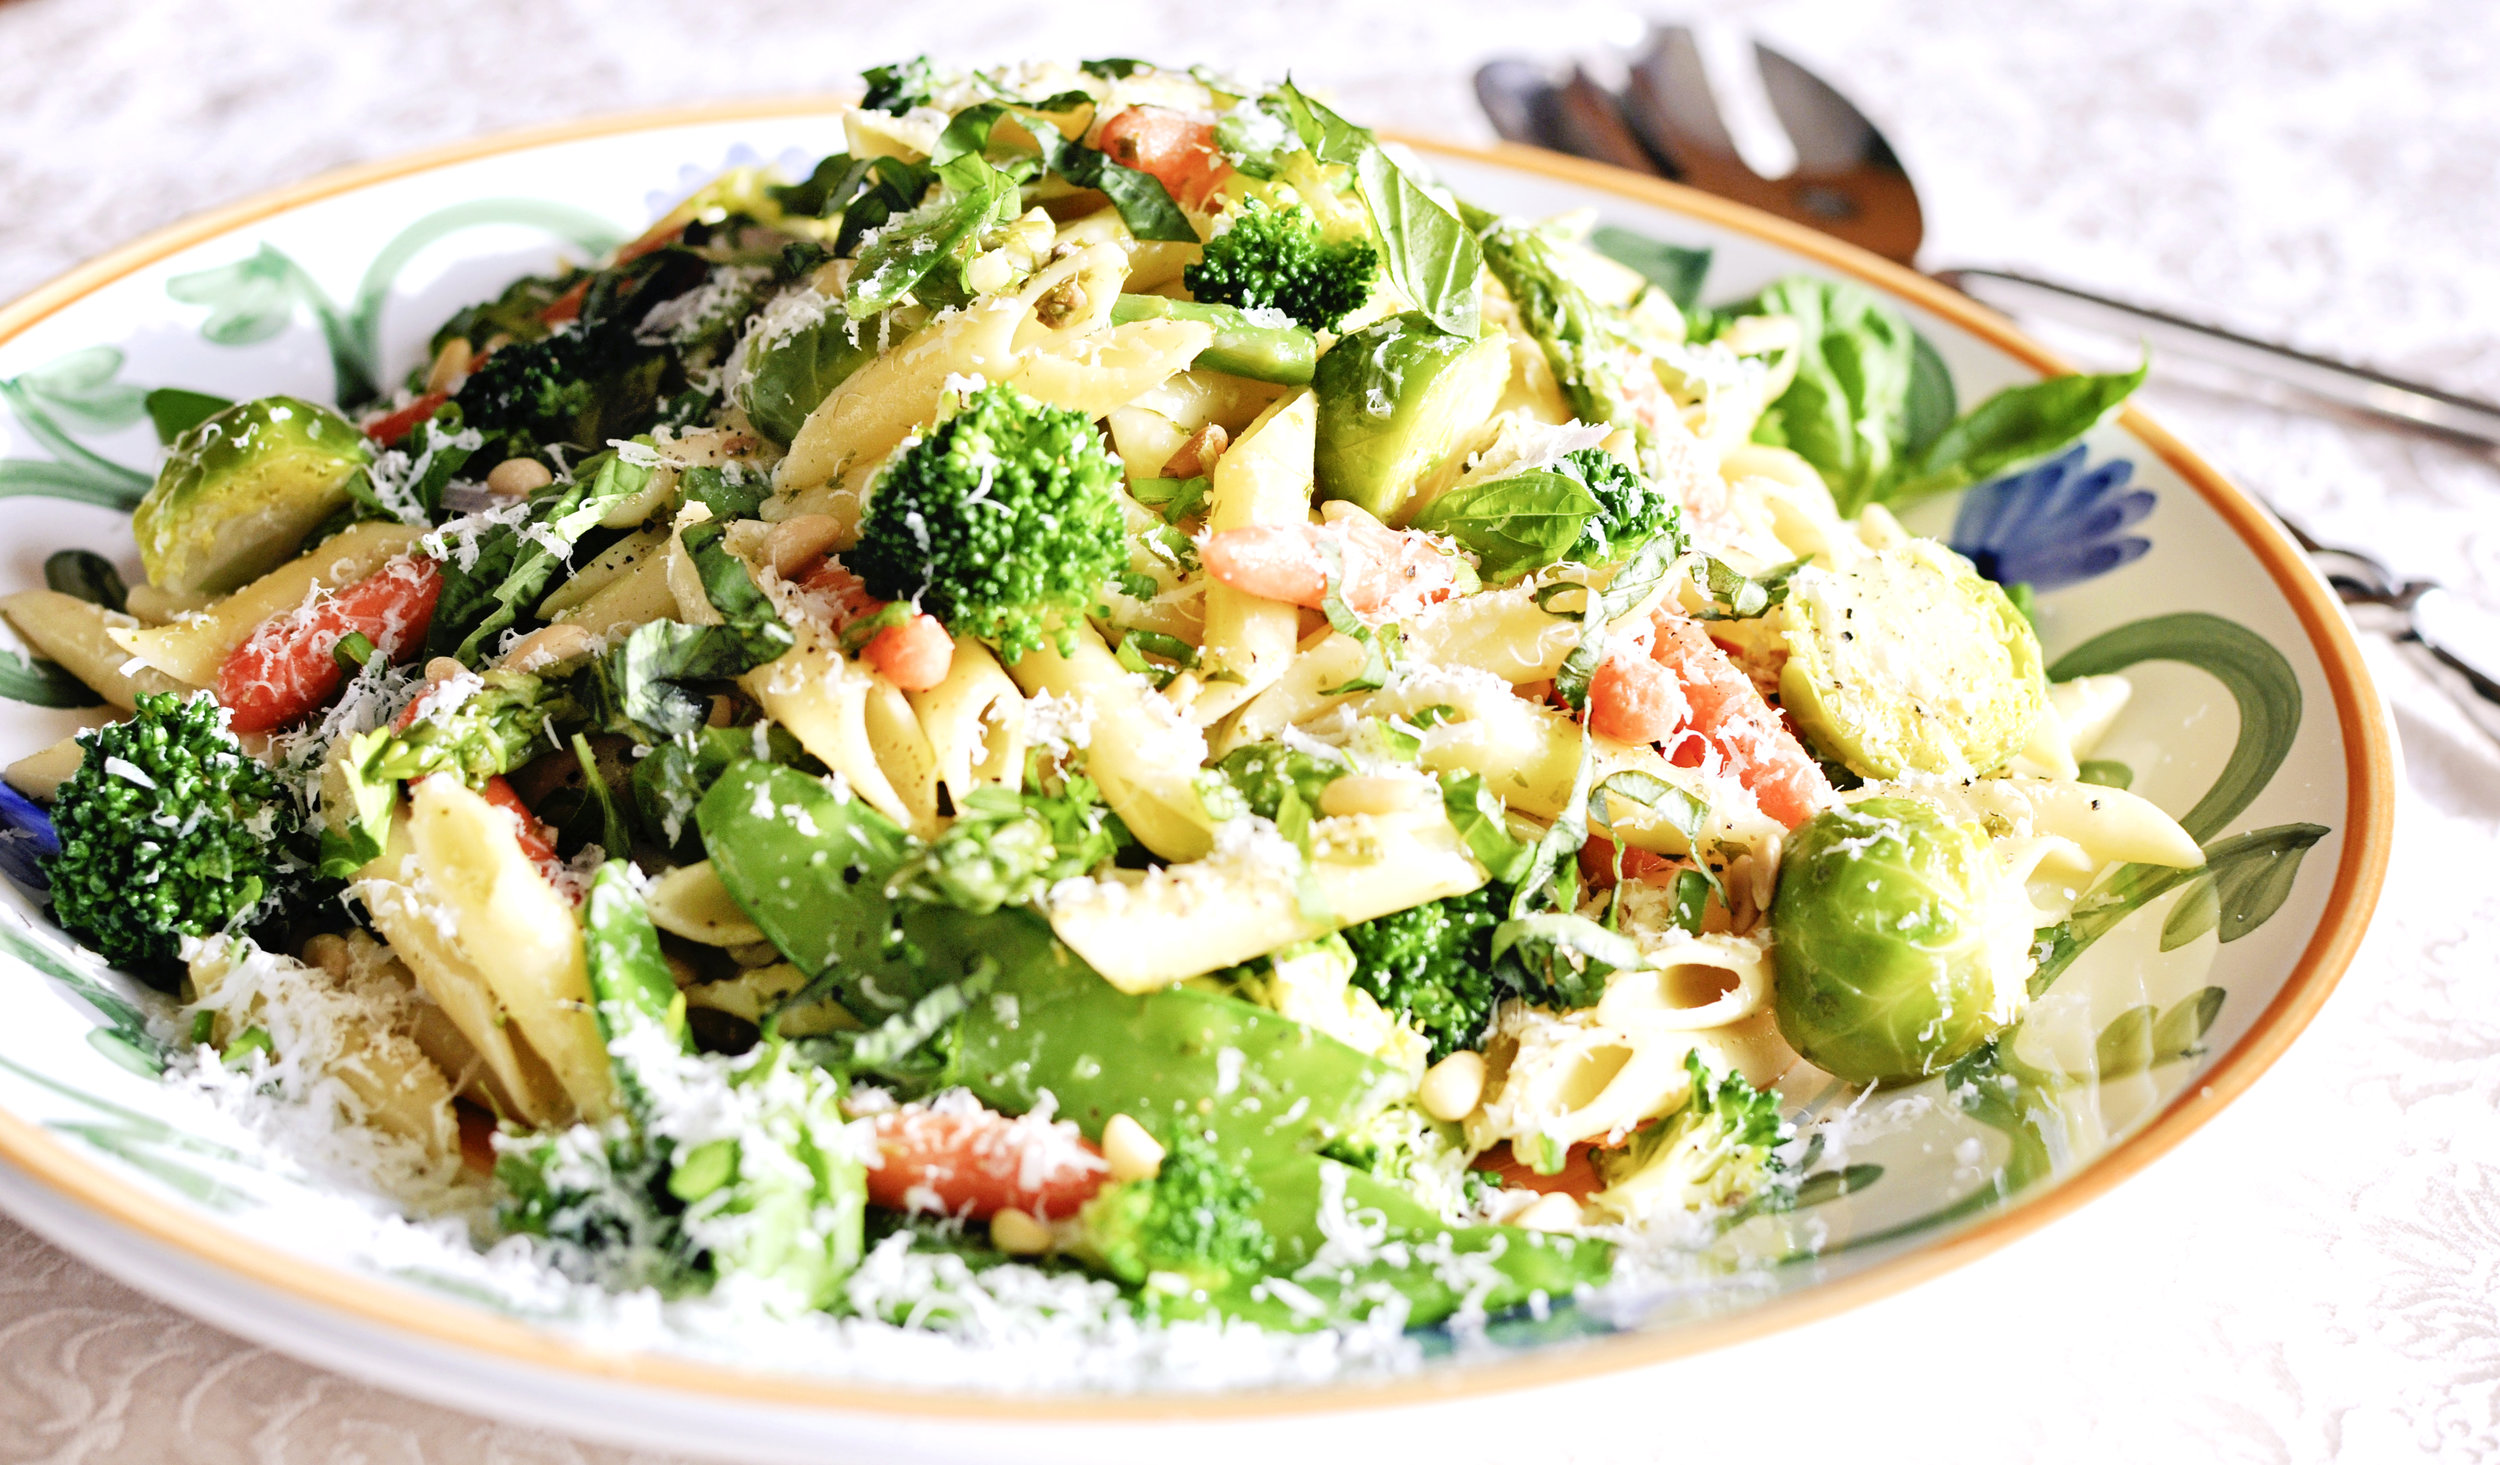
[
  {"x": 84, "y": 388},
  {"x": 125, "y": 1037},
  {"x": 258, "y": 296},
  {"x": 2245, "y": 878}
]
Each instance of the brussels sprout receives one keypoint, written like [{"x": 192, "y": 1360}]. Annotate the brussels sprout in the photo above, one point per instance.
[
  {"x": 1885, "y": 940},
  {"x": 239, "y": 492},
  {"x": 788, "y": 379},
  {"x": 1910, "y": 662},
  {"x": 1396, "y": 399}
]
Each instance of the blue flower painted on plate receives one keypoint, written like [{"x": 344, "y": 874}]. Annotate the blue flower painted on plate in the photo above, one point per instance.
[
  {"x": 26, "y": 838},
  {"x": 2054, "y": 525}
]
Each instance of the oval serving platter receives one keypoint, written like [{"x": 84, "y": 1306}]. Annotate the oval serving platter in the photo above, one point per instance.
[{"x": 2253, "y": 720}]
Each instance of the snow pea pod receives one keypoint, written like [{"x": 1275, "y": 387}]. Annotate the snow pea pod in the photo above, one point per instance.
[
  {"x": 810, "y": 866},
  {"x": 1406, "y": 1249},
  {"x": 1263, "y": 1087}
]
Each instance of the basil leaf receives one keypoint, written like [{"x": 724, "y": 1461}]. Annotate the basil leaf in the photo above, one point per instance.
[
  {"x": 40, "y": 683},
  {"x": 1479, "y": 819},
  {"x": 945, "y": 232},
  {"x": 1145, "y": 205},
  {"x": 1650, "y": 791},
  {"x": 175, "y": 411},
  {"x": 88, "y": 576},
  {"x": 1671, "y": 267},
  {"x": 1691, "y": 895},
  {"x": 1325, "y": 135},
  {"x": 1931, "y": 406},
  {"x": 1737, "y": 596},
  {"x": 1432, "y": 257},
  {"x": 1516, "y": 524},
  {"x": 1632, "y": 583},
  {"x": 1114, "y": 68},
  {"x": 730, "y": 493},
  {"x": 788, "y": 379},
  {"x": 1427, "y": 251},
  {"x": 1569, "y": 956},
  {"x": 1847, "y": 411},
  {"x": 898, "y": 88},
  {"x": 1174, "y": 499},
  {"x": 515, "y": 561},
  {"x": 2014, "y": 426}
]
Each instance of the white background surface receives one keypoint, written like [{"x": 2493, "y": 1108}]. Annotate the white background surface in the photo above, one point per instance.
[{"x": 2315, "y": 1276}]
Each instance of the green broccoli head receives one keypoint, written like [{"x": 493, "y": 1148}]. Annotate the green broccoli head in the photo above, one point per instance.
[
  {"x": 1719, "y": 1150},
  {"x": 165, "y": 832},
  {"x": 996, "y": 522},
  {"x": 1196, "y": 1220},
  {"x": 1432, "y": 965},
  {"x": 1007, "y": 848},
  {"x": 1630, "y": 512},
  {"x": 1274, "y": 259}
]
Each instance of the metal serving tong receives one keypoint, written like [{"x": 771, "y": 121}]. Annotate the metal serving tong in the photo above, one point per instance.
[{"x": 1756, "y": 127}]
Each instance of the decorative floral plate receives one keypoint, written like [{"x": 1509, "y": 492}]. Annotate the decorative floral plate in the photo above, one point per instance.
[{"x": 2253, "y": 722}]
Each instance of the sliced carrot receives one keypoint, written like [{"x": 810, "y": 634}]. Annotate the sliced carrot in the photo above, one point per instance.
[
  {"x": 392, "y": 426},
  {"x": 1378, "y": 567},
  {"x": 1730, "y": 719},
  {"x": 1178, "y": 150},
  {"x": 1578, "y": 1177},
  {"x": 537, "y": 840},
  {"x": 285, "y": 669},
  {"x": 914, "y": 656},
  {"x": 567, "y": 306},
  {"x": 965, "y": 1161},
  {"x": 1636, "y": 700}
]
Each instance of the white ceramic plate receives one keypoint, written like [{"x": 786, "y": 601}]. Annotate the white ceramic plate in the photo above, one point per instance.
[{"x": 2254, "y": 721}]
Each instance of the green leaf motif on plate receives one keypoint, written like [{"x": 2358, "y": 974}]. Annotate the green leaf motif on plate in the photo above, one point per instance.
[{"x": 254, "y": 298}]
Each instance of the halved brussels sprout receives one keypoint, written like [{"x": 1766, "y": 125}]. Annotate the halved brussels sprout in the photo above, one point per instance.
[
  {"x": 1888, "y": 941},
  {"x": 1910, "y": 662},
  {"x": 239, "y": 492},
  {"x": 1396, "y": 399}
]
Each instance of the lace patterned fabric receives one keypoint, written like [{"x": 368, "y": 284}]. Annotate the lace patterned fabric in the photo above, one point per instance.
[{"x": 2314, "y": 1276}]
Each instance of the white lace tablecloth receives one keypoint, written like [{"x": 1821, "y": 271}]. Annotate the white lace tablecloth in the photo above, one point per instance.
[{"x": 2315, "y": 1276}]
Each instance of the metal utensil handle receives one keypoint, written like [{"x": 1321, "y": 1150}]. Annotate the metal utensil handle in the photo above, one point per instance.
[{"x": 2339, "y": 382}]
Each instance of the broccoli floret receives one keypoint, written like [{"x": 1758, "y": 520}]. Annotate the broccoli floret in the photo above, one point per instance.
[
  {"x": 1432, "y": 964},
  {"x": 1630, "y": 511},
  {"x": 594, "y": 379},
  {"x": 1719, "y": 1150},
  {"x": 1006, "y": 848},
  {"x": 998, "y": 521},
  {"x": 1428, "y": 1158},
  {"x": 1274, "y": 259},
  {"x": 166, "y": 832},
  {"x": 1195, "y": 1224}
]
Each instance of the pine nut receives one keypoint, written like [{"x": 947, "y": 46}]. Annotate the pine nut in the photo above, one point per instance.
[
  {"x": 329, "y": 953},
  {"x": 443, "y": 668},
  {"x": 1016, "y": 1233},
  {"x": 518, "y": 477},
  {"x": 1556, "y": 1212},
  {"x": 1132, "y": 1152},
  {"x": 450, "y": 365},
  {"x": 1453, "y": 1087},
  {"x": 800, "y": 539},
  {"x": 1197, "y": 457},
  {"x": 548, "y": 645},
  {"x": 1369, "y": 793}
]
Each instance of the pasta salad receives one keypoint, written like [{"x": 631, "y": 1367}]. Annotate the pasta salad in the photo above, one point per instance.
[{"x": 1113, "y": 684}]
